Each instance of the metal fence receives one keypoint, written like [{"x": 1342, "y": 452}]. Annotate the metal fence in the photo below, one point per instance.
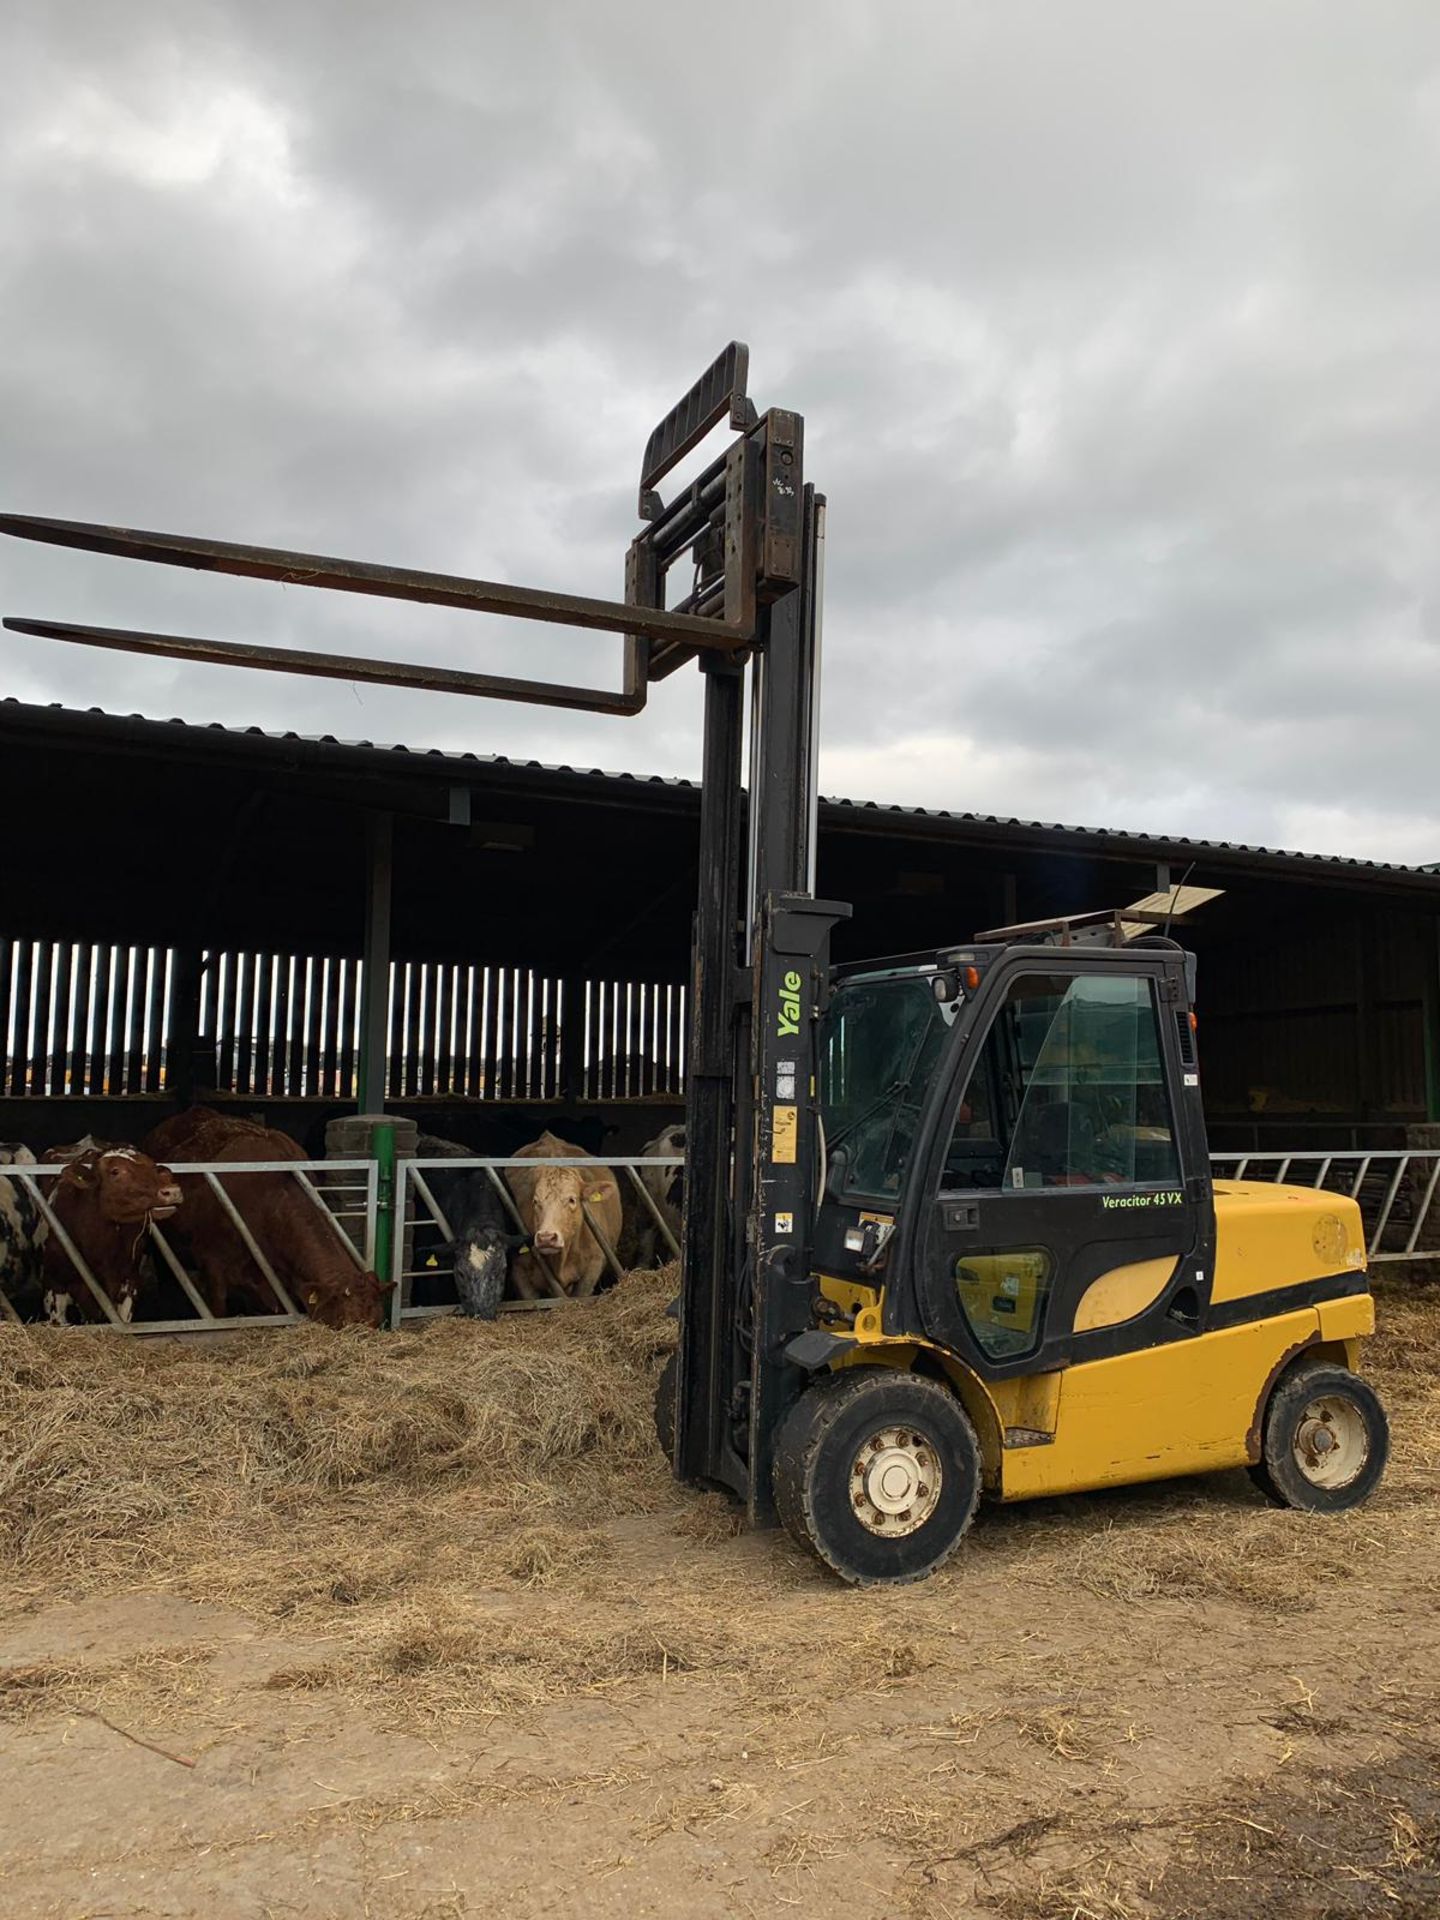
[
  {"x": 633, "y": 1039},
  {"x": 1395, "y": 1190},
  {"x": 424, "y": 1235},
  {"x": 83, "y": 1018},
  {"x": 346, "y": 1193}
]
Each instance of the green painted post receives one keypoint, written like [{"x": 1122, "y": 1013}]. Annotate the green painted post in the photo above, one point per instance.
[{"x": 385, "y": 1213}]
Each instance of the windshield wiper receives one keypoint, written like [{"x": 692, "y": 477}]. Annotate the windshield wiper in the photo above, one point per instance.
[
  {"x": 874, "y": 1107},
  {"x": 907, "y": 1086}
]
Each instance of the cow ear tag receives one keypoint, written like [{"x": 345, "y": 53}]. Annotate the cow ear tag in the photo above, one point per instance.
[{"x": 599, "y": 1194}]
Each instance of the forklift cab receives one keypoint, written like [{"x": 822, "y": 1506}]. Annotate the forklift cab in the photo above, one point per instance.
[{"x": 1014, "y": 1139}]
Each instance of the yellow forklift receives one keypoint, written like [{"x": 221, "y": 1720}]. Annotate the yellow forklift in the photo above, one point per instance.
[
  {"x": 950, "y": 1226},
  {"x": 1025, "y": 1281}
]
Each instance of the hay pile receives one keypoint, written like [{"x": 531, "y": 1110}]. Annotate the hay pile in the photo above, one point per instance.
[
  {"x": 272, "y": 1469},
  {"x": 434, "y": 1515}
]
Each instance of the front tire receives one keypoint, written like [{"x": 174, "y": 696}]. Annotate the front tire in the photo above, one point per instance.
[
  {"x": 1325, "y": 1441},
  {"x": 878, "y": 1474}
]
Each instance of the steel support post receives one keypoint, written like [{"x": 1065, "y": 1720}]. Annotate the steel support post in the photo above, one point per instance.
[
  {"x": 1431, "y": 1006},
  {"x": 572, "y": 1040},
  {"x": 375, "y": 975},
  {"x": 183, "y": 1045}
]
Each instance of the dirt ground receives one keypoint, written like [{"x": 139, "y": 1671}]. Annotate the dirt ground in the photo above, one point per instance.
[{"x": 452, "y": 1679}]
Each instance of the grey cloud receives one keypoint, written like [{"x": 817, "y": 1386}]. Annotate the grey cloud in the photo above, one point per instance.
[{"x": 1112, "y": 326}]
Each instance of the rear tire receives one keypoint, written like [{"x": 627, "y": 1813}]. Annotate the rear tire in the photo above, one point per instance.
[
  {"x": 665, "y": 1406},
  {"x": 1325, "y": 1441},
  {"x": 878, "y": 1474}
]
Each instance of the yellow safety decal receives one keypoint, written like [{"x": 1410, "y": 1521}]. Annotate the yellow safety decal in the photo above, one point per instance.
[{"x": 785, "y": 1136}]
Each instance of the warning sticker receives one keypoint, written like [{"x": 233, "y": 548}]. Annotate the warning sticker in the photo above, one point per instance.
[
  {"x": 784, "y": 1223},
  {"x": 785, "y": 1135}
]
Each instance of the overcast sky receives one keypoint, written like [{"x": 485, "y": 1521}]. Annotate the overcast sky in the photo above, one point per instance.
[{"x": 1114, "y": 326}]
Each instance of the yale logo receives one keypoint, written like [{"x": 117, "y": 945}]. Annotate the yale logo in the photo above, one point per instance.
[{"x": 789, "y": 1022}]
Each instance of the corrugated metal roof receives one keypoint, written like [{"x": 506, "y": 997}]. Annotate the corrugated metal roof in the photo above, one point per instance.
[{"x": 438, "y": 759}]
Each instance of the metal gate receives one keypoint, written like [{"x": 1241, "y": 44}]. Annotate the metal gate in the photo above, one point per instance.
[
  {"x": 346, "y": 1193},
  {"x": 423, "y": 1234},
  {"x": 1395, "y": 1190}
]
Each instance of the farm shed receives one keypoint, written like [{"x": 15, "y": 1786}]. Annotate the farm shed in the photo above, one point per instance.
[{"x": 200, "y": 908}]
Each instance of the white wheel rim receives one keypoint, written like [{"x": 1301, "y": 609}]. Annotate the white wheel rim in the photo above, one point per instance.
[
  {"x": 895, "y": 1482},
  {"x": 1332, "y": 1442}
]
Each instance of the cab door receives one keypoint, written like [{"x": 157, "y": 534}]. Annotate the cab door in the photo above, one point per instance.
[{"x": 1069, "y": 1213}]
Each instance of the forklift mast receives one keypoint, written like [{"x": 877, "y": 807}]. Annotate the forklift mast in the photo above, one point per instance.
[
  {"x": 753, "y": 530},
  {"x": 761, "y": 957}
]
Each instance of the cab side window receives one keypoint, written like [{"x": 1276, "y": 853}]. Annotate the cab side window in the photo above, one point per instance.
[{"x": 1069, "y": 1090}]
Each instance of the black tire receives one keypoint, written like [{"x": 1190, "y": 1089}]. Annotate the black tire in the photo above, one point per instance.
[
  {"x": 822, "y": 1490},
  {"x": 1314, "y": 1404},
  {"x": 1260, "y": 1474},
  {"x": 665, "y": 1406}
]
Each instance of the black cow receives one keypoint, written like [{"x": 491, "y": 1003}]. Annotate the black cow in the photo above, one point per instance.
[{"x": 484, "y": 1234}]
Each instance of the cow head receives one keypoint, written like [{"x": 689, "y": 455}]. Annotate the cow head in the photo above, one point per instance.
[
  {"x": 670, "y": 1182},
  {"x": 358, "y": 1300},
  {"x": 482, "y": 1263},
  {"x": 128, "y": 1185},
  {"x": 558, "y": 1214}
]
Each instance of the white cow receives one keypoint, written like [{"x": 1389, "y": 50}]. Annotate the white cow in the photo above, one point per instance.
[
  {"x": 23, "y": 1234},
  {"x": 666, "y": 1187}
]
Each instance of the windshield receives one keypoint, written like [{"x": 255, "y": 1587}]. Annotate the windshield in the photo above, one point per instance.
[{"x": 879, "y": 1045}]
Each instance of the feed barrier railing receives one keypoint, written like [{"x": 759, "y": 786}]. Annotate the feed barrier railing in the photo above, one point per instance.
[
  {"x": 394, "y": 1217},
  {"x": 424, "y": 1235},
  {"x": 1396, "y": 1189},
  {"x": 345, "y": 1192}
]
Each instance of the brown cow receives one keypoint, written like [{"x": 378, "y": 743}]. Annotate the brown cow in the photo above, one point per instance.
[
  {"x": 549, "y": 1199},
  {"x": 105, "y": 1200},
  {"x": 305, "y": 1252}
]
